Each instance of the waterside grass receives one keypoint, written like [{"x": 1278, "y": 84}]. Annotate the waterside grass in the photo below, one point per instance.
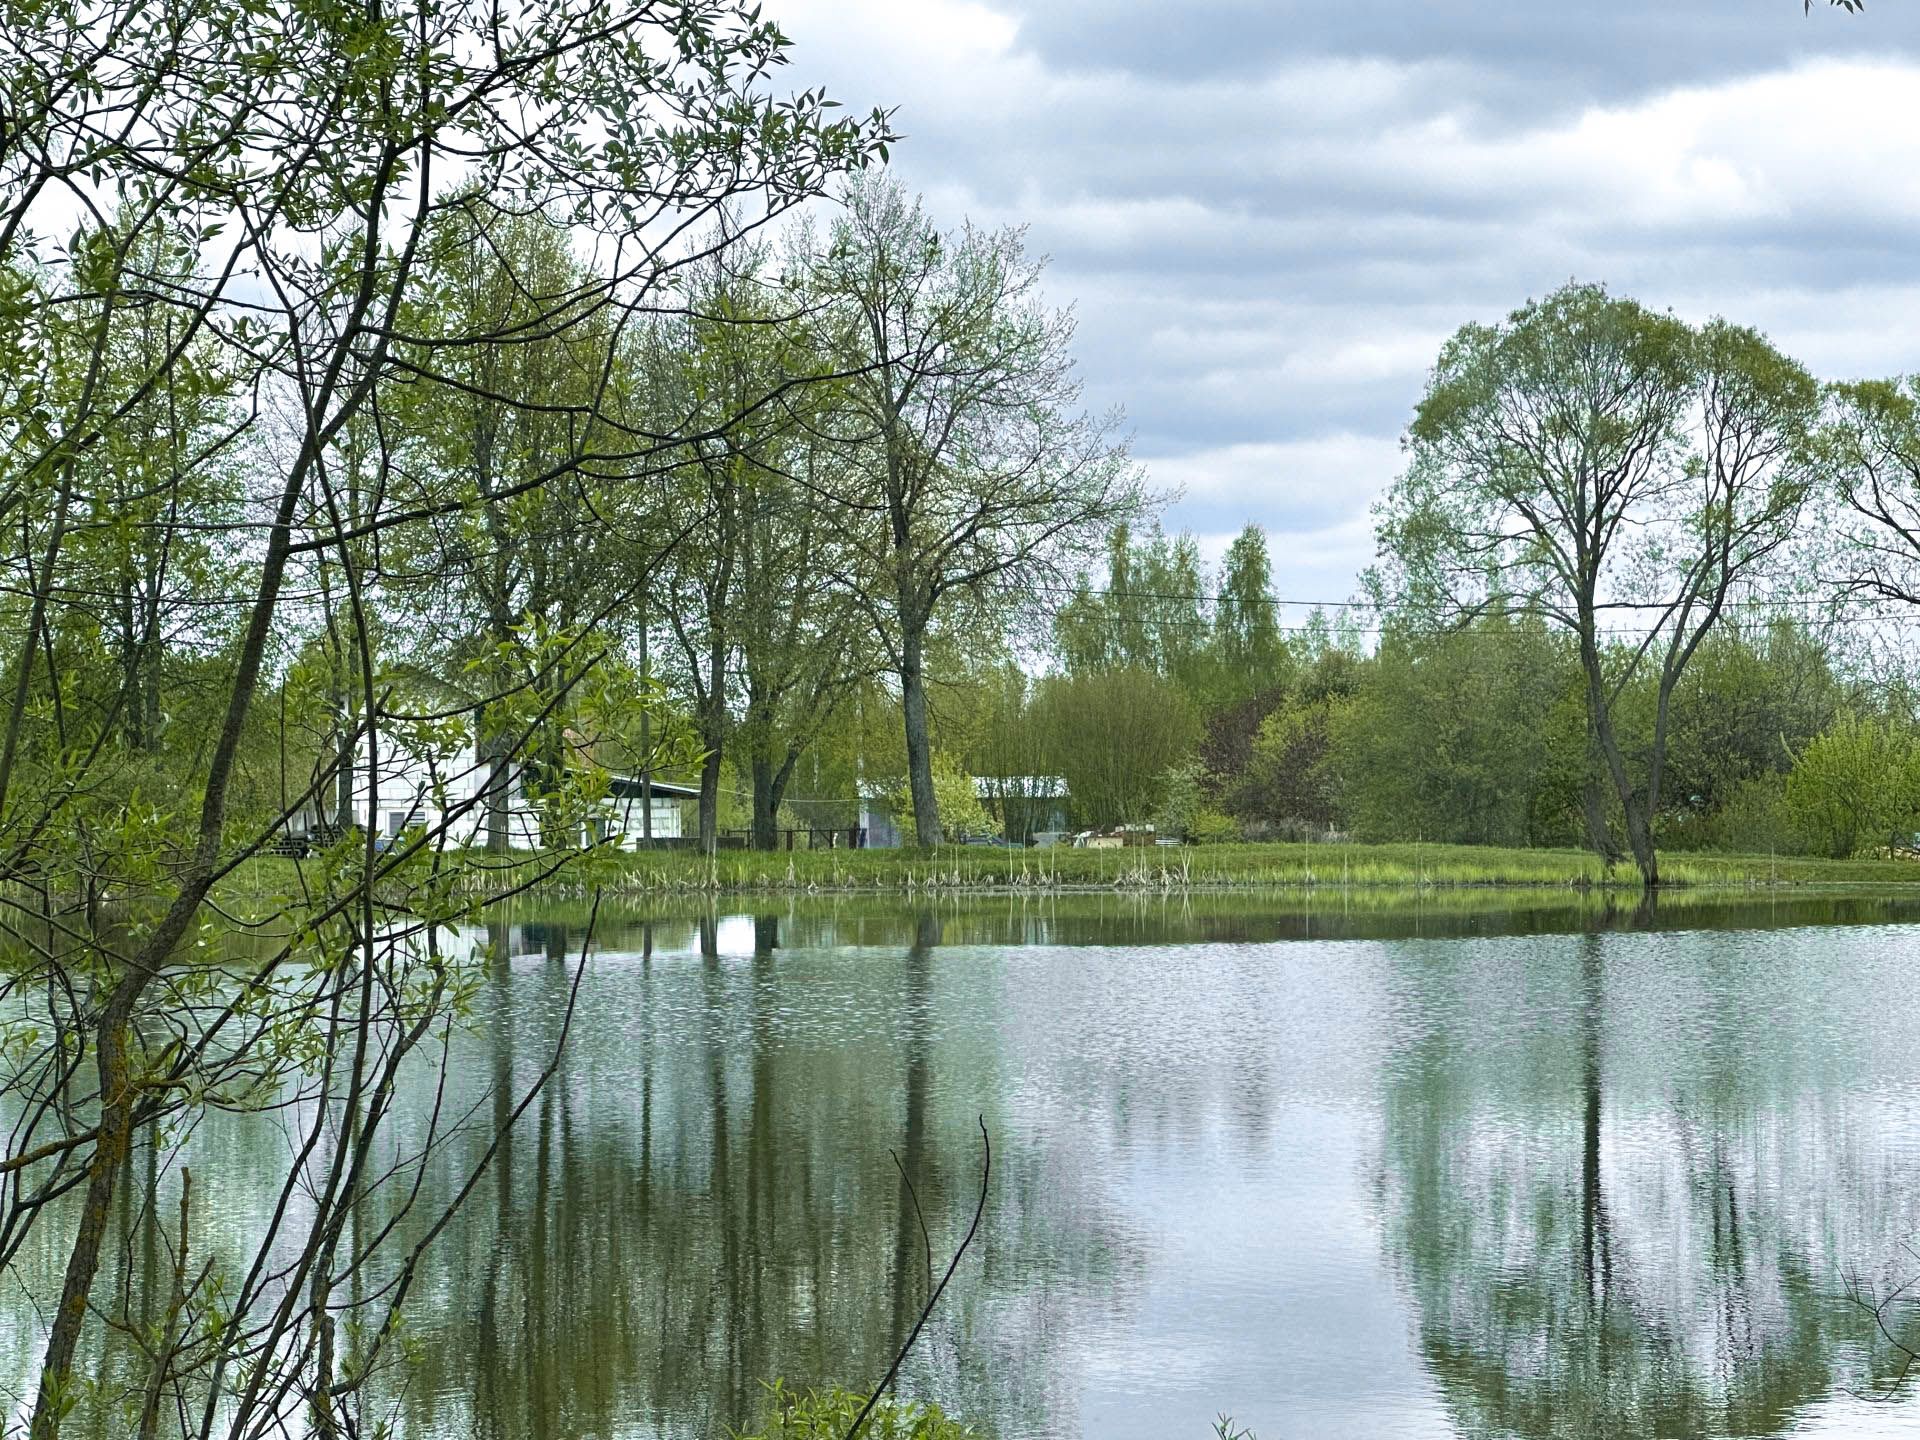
[
  {"x": 1220, "y": 867},
  {"x": 1248, "y": 867}
]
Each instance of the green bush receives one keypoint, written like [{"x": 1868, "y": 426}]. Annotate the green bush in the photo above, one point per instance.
[
  {"x": 1754, "y": 819},
  {"x": 1213, "y": 827},
  {"x": 1856, "y": 785},
  {"x": 826, "y": 1414}
]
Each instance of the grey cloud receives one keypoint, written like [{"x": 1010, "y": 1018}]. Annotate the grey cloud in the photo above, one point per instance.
[
  {"x": 1269, "y": 216},
  {"x": 1566, "y": 53}
]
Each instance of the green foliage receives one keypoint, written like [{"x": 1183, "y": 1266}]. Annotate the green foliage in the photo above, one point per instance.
[
  {"x": 1183, "y": 797},
  {"x": 1857, "y": 785},
  {"x": 954, "y": 791},
  {"x": 1452, "y": 736},
  {"x": 1286, "y": 781},
  {"x": 1753, "y": 817},
  {"x": 1617, "y": 471},
  {"x": 1158, "y": 612},
  {"x": 827, "y": 1414},
  {"x": 1213, "y": 827},
  {"x": 963, "y": 455},
  {"x": 1112, "y": 735},
  {"x": 1246, "y": 635}
]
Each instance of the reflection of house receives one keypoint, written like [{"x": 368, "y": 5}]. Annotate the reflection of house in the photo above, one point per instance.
[{"x": 410, "y": 789}]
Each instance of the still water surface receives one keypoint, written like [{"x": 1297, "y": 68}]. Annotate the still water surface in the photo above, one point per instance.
[{"x": 1426, "y": 1173}]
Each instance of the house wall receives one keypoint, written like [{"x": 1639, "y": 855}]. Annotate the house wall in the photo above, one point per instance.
[
  {"x": 877, "y": 819},
  {"x": 403, "y": 793},
  {"x": 666, "y": 819}
]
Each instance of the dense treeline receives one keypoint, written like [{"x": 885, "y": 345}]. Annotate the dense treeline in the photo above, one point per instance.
[
  {"x": 1642, "y": 585},
  {"x": 1477, "y": 734}
]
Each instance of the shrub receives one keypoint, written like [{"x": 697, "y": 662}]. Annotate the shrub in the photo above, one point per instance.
[
  {"x": 961, "y": 812},
  {"x": 1856, "y": 785},
  {"x": 826, "y": 1414},
  {"x": 1212, "y": 827}
]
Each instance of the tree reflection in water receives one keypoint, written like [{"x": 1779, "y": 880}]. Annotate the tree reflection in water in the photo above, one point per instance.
[
  {"x": 1589, "y": 1258},
  {"x": 1618, "y": 1177},
  {"x": 707, "y": 1201}
]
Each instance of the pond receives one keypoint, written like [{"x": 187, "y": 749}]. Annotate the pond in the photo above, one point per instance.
[{"x": 1475, "y": 1167}]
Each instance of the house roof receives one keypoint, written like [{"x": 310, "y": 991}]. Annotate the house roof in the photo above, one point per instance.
[{"x": 629, "y": 787}]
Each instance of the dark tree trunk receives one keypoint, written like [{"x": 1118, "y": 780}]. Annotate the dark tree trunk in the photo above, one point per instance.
[
  {"x": 710, "y": 799},
  {"x": 766, "y": 804},
  {"x": 769, "y": 792},
  {"x": 713, "y": 730},
  {"x": 1634, "y": 800},
  {"x": 499, "y": 786},
  {"x": 913, "y": 701},
  {"x": 343, "y": 782}
]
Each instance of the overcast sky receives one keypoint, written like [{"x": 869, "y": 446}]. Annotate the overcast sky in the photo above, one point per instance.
[{"x": 1269, "y": 215}]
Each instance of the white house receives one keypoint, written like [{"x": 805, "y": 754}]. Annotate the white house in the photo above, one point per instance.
[{"x": 410, "y": 788}]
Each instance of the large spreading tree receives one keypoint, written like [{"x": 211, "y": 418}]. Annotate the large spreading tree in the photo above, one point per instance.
[
  {"x": 1623, "y": 474},
  {"x": 970, "y": 476}
]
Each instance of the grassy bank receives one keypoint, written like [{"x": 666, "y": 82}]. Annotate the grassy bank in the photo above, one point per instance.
[
  {"x": 1212, "y": 867},
  {"x": 1263, "y": 867}
]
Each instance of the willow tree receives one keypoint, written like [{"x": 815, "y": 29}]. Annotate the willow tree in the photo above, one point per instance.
[
  {"x": 1870, "y": 447},
  {"x": 969, "y": 473},
  {"x": 305, "y": 154},
  {"x": 1617, "y": 471}
]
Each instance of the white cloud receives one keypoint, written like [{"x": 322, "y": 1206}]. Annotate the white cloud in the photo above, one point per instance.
[{"x": 1266, "y": 256}]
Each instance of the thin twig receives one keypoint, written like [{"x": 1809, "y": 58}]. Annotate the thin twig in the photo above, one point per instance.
[{"x": 980, "y": 1209}]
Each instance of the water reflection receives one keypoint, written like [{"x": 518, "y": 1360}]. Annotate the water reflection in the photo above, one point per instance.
[
  {"x": 705, "y": 1196},
  {"x": 1615, "y": 1163},
  {"x": 1614, "y": 1238}
]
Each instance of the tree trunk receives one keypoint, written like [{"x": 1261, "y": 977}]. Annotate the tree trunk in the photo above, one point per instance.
[
  {"x": 913, "y": 701},
  {"x": 769, "y": 791},
  {"x": 1633, "y": 800},
  {"x": 1593, "y": 807},
  {"x": 766, "y": 805},
  {"x": 499, "y": 785},
  {"x": 713, "y": 728},
  {"x": 710, "y": 799},
  {"x": 1640, "y": 838},
  {"x": 343, "y": 780}
]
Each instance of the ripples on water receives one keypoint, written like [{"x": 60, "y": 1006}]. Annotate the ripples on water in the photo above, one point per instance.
[{"x": 1339, "y": 1174}]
